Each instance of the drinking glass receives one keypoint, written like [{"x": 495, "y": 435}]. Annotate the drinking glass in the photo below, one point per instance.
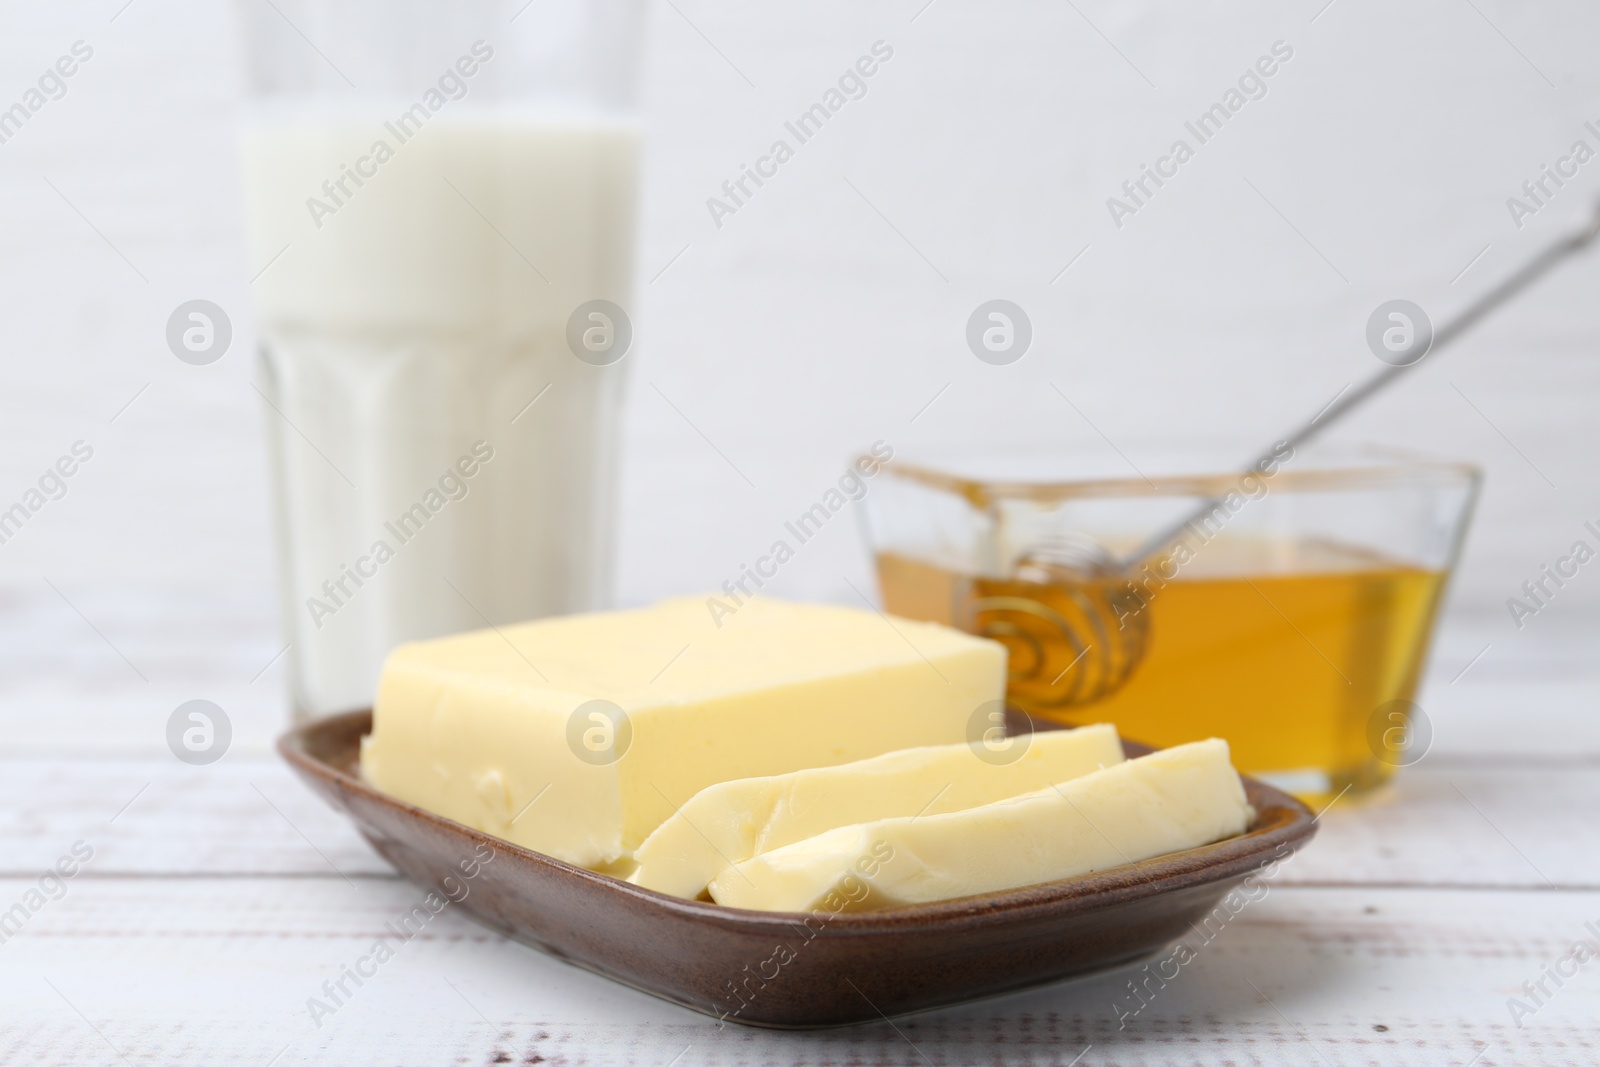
[{"x": 439, "y": 203}]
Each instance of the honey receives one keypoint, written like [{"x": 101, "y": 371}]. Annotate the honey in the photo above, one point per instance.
[{"x": 1287, "y": 649}]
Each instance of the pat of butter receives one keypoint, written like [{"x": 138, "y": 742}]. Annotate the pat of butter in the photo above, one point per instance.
[
  {"x": 496, "y": 729},
  {"x": 1178, "y": 798},
  {"x": 729, "y": 822}
]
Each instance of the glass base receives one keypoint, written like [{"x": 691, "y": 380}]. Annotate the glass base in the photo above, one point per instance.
[{"x": 1319, "y": 788}]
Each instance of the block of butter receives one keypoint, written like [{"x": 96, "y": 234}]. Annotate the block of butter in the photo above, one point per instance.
[
  {"x": 1177, "y": 798},
  {"x": 729, "y": 822},
  {"x": 577, "y": 736}
]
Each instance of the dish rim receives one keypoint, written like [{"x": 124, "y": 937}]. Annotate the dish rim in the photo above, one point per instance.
[{"x": 1280, "y": 820}]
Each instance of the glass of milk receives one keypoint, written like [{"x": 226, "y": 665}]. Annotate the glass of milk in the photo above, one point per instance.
[{"x": 440, "y": 203}]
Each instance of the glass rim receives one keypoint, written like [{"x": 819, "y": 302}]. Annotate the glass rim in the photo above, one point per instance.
[{"x": 1391, "y": 472}]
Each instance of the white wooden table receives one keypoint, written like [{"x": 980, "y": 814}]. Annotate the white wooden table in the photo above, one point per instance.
[{"x": 220, "y": 898}]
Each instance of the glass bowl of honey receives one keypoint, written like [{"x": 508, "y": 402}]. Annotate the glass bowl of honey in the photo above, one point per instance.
[{"x": 1291, "y": 614}]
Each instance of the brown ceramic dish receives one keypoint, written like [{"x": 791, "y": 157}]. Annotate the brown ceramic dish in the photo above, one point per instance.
[{"x": 778, "y": 969}]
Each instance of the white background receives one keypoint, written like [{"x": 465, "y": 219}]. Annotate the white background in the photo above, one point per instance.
[{"x": 806, "y": 327}]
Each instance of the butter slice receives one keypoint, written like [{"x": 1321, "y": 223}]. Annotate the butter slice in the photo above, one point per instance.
[
  {"x": 479, "y": 727},
  {"x": 729, "y": 822},
  {"x": 1177, "y": 798}
]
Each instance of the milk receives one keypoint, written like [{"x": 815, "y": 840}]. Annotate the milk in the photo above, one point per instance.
[{"x": 441, "y": 459}]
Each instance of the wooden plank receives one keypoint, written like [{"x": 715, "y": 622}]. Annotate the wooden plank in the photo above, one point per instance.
[
  {"x": 1443, "y": 823},
  {"x": 1529, "y": 695},
  {"x": 223, "y": 969},
  {"x": 151, "y": 815},
  {"x": 1449, "y": 822}
]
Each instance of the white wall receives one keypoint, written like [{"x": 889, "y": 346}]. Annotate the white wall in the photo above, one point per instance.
[{"x": 805, "y": 326}]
